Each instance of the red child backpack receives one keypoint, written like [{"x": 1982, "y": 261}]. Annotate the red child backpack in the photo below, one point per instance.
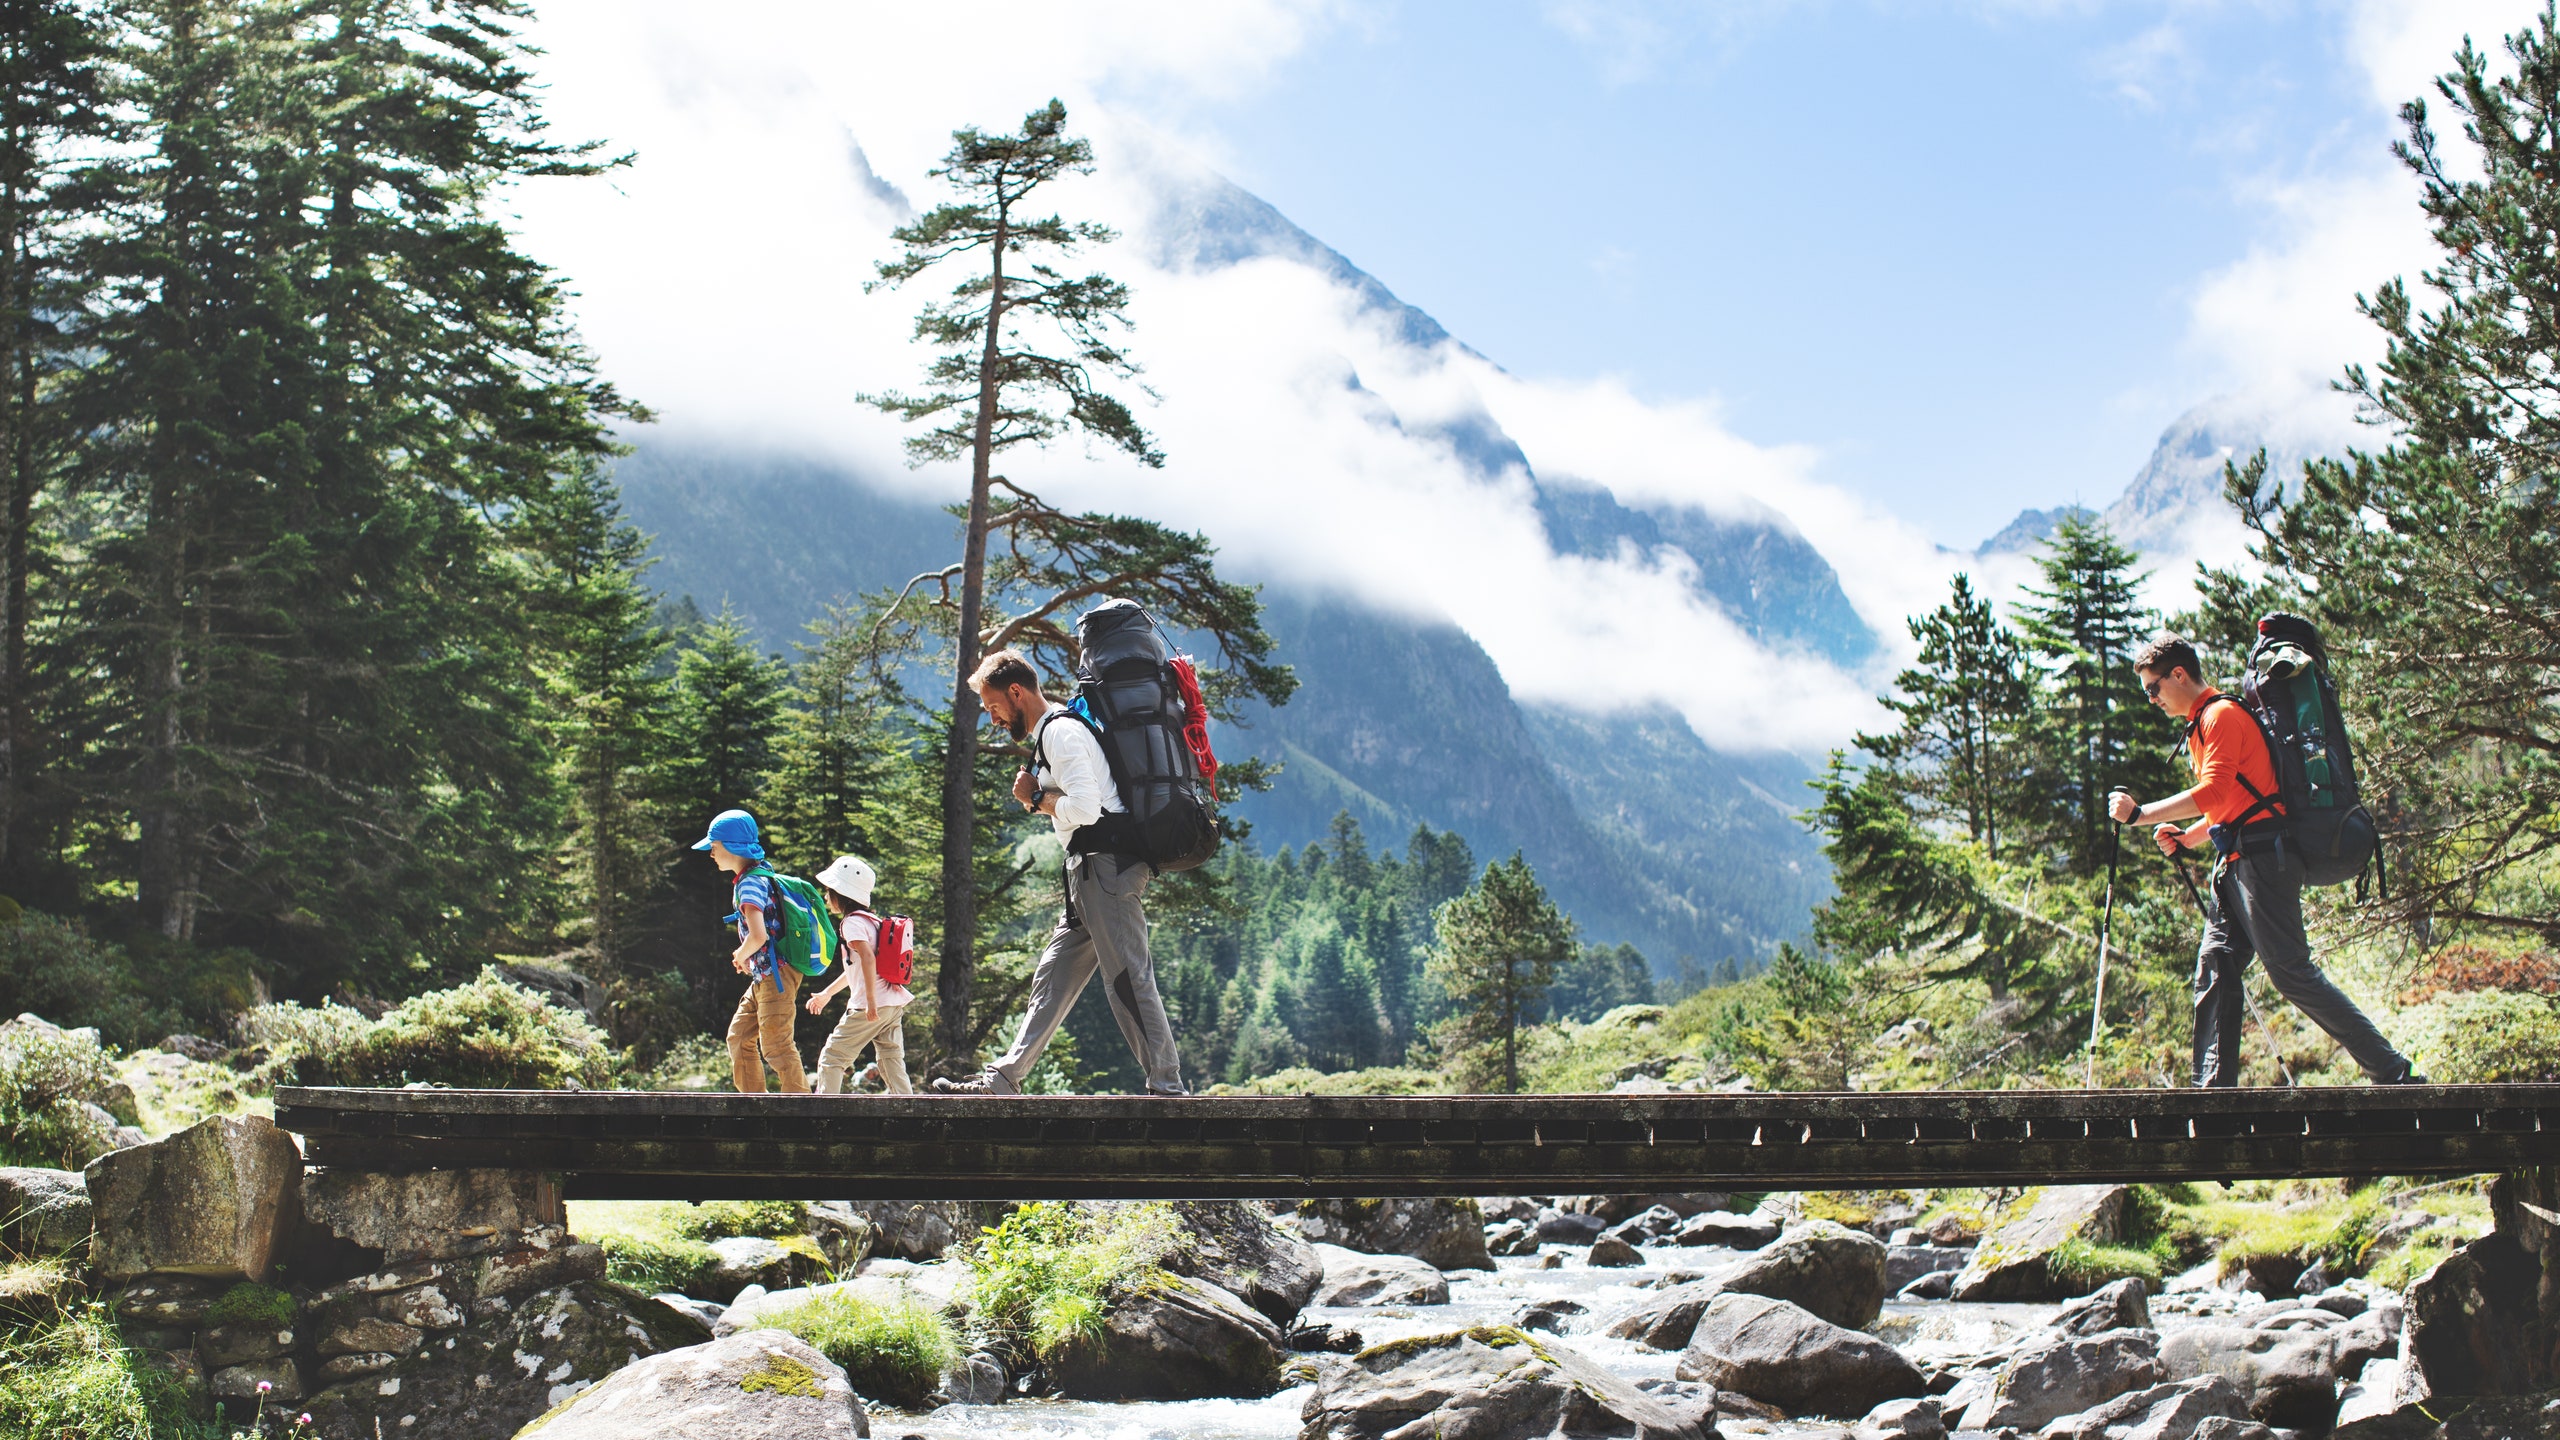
[{"x": 893, "y": 949}]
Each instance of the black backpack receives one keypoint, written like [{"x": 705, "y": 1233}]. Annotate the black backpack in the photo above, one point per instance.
[
  {"x": 2290, "y": 694},
  {"x": 1129, "y": 690}
]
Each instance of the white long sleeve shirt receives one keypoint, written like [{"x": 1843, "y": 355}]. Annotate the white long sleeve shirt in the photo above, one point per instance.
[{"x": 1073, "y": 768}]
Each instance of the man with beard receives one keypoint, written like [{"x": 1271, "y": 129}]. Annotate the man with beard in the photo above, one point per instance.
[{"x": 1105, "y": 926}]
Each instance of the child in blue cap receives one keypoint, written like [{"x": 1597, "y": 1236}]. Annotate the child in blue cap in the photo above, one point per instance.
[{"x": 760, "y": 1033}]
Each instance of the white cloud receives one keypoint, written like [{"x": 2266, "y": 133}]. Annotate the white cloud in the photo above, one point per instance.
[
  {"x": 721, "y": 281},
  {"x": 2279, "y": 324}
]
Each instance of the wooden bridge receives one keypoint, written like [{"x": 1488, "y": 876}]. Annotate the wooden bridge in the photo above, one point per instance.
[{"x": 693, "y": 1146}]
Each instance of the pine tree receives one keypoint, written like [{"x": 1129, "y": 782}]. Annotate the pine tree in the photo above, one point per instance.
[
  {"x": 319, "y": 375},
  {"x": 2433, "y": 567},
  {"x": 53, "y": 68},
  {"x": 606, "y": 702},
  {"x": 2085, "y": 622},
  {"x": 835, "y": 787},
  {"x": 995, "y": 387},
  {"x": 1498, "y": 949},
  {"x": 728, "y": 716},
  {"x": 1963, "y": 707}
]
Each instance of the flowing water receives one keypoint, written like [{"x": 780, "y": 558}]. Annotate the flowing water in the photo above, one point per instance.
[{"x": 1926, "y": 1330}]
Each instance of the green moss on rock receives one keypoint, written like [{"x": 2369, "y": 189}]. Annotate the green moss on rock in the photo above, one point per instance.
[{"x": 783, "y": 1375}]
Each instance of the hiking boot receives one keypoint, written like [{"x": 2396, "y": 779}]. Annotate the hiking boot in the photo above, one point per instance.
[
  {"x": 1153, "y": 1093},
  {"x": 985, "y": 1082},
  {"x": 2408, "y": 1077}
]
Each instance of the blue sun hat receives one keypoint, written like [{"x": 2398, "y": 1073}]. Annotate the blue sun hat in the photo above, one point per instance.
[{"x": 735, "y": 829}]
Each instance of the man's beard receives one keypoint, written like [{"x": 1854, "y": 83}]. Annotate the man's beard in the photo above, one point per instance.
[{"x": 1019, "y": 722}]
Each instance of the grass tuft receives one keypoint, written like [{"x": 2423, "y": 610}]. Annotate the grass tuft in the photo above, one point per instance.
[
  {"x": 891, "y": 1353},
  {"x": 249, "y": 1303},
  {"x": 2080, "y": 1267},
  {"x": 77, "y": 1378}
]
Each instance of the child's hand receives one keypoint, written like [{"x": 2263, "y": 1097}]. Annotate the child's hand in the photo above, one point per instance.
[{"x": 819, "y": 1001}]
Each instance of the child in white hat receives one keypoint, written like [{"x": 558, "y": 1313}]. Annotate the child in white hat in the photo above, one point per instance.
[{"x": 876, "y": 1015}]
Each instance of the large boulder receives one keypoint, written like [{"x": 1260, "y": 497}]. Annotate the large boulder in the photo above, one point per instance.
[
  {"x": 754, "y": 1386},
  {"x": 2169, "y": 1411},
  {"x": 1181, "y": 1339},
  {"x": 1442, "y": 1232},
  {"x": 2064, "y": 1376},
  {"x": 2011, "y": 1262},
  {"x": 1906, "y": 1263},
  {"x": 220, "y": 1198},
  {"x": 924, "y": 1229},
  {"x": 43, "y": 1212},
  {"x": 1723, "y": 1227},
  {"x": 1913, "y": 1419},
  {"x": 2288, "y": 1377},
  {"x": 1665, "y": 1321},
  {"x": 2122, "y": 1305},
  {"x": 2493, "y": 1417},
  {"x": 486, "y": 1382},
  {"x": 1611, "y": 1209},
  {"x": 1351, "y": 1278},
  {"x": 1779, "y": 1352},
  {"x": 430, "y": 1214},
  {"x": 1235, "y": 1246},
  {"x": 2473, "y": 1325},
  {"x": 1489, "y": 1383},
  {"x": 1827, "y": 1268},
  {"x": 888, "y": 1290},
  {"x": 846, "y": 1236},
  {"x": 743, "y": 1262}
]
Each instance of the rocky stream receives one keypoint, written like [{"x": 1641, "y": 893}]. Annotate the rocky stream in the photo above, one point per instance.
[{"x": 460, "y": 1304}]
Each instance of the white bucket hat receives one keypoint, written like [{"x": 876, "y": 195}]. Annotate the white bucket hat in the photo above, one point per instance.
[{"x": 849, "y": 877}]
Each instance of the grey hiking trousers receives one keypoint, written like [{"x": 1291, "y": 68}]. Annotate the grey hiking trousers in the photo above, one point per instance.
[
  {"x": 2257, "y": 910},
  {"x": 1105, "y": 929}
]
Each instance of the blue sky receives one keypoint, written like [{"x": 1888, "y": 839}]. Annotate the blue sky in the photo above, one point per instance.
[
  {"x": 1883, "y": 272},
  {"x": 1956, "y": 248}
]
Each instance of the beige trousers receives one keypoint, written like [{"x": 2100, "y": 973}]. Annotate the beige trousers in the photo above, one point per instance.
[
  {"x": 760, "y": 1035},
  {"x": 883, "y": 1029}
]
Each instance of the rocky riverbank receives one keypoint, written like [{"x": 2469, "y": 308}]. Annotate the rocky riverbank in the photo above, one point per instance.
[{"x": 475, "y": 1304}]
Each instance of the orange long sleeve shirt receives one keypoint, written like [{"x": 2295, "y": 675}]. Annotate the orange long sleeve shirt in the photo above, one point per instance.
[{"x": 2223, "y": 747}]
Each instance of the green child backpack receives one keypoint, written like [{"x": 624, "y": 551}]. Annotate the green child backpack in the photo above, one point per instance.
[{"x": 808, "y": 940}]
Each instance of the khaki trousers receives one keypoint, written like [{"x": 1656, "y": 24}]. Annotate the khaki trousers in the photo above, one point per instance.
[
  {"x": 760, "y": 1035},
  {"x": 883, "y": 1029}
]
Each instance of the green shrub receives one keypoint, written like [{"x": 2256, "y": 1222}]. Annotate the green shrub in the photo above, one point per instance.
[
  {"x": 1051, "y": 1270},
  {"x": 651, "y": 1266},
  {"x": 484, "y": 1035},
  {"x": 52, "y": 967},
  {"x": 694, "y": 1062},
  {"x": 42, "y": 1075},
  {"x": 77, "y": 1378},
  {"x": 2483, "y": 1037},
  {"x": 776, "y": 1219},
  {"x": 892, "y": 1353}
]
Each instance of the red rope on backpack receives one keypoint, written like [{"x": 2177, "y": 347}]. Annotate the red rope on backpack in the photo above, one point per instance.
[{"x": 1195, "y": 726}]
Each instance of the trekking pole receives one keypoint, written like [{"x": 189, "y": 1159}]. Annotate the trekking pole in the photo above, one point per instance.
[
  {"x": 2270, "y": 1032},
  {"x": 2106, "y": 922},
  {"x": 2179, "y": 864}
]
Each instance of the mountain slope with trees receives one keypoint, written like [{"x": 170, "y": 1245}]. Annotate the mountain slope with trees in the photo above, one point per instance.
[{"x": 1643, "y": 834}]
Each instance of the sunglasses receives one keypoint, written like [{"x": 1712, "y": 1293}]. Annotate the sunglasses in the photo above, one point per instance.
[{"x": 2151, "y": 689}]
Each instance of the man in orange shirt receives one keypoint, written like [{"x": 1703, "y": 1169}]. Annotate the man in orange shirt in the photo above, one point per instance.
[{"x": 2257, "y": 885}]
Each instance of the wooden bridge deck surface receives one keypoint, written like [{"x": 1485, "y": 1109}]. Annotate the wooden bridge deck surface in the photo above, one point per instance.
[{"x": 699, "y": 1146}]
